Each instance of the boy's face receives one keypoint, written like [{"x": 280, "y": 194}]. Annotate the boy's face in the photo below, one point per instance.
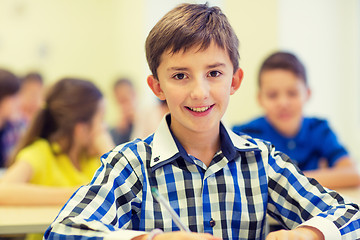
[
  {"x": 197, "y": 86},
  {"x": 282, "y": 95},
  {"x": 9, "y": 107},
  {"x": 31, "y": 97},
  {"x": 88, "y": 133}
]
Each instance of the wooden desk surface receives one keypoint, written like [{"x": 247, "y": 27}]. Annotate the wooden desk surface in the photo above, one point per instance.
[
  {"x": 22, "y": 220},
  {"x": 353, "y": 194}
]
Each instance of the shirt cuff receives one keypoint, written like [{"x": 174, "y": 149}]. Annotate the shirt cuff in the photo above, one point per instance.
[
  {"x": 123, "y": 234},
  {"x": 325, "y": 226}
]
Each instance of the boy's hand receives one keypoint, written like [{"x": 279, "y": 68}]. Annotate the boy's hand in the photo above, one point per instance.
[
  {"x": 301, "y": 233},
  {"x": 181, "y": 235}
]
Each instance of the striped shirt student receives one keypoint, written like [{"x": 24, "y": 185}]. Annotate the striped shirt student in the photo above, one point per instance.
[
  {"x": 247, "y": 179},
  {"x": 220, "y": 184}
]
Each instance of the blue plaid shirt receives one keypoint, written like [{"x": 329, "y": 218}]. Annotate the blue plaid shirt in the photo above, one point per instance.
[{"x": 246, "y": 179}]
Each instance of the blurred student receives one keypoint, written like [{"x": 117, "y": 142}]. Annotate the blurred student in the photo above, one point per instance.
[
  {"x": 9, "y": 131},
  {"x": 60, "y": 150},
  {"x": 148, "y": 119},
  {"x": 134, "y": 122},
  {"x": 309, "y": 141},
  {"x": 125, "y": 96},
  {"x": 31, "y": 96}
]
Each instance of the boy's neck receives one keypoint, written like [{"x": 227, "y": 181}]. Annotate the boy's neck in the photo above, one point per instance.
[{"x": 203, "y": 146}]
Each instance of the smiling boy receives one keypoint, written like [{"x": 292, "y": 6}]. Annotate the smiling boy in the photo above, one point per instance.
[
  {"x": 196, "y": 86},
  {"x": 220, "y": 184}
]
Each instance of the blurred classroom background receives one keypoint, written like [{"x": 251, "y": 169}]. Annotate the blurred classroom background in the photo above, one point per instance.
[{"x": 104, "y": 40}]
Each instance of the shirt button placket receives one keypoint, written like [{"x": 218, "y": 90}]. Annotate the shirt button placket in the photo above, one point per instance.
[{"x": 212, "y": 223}]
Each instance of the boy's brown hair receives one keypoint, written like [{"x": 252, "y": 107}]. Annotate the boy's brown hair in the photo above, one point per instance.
[
  {"x": 9, "y": 84},
  {"x": 189, "y": 25},
  {"x": 285, "y": 61}
]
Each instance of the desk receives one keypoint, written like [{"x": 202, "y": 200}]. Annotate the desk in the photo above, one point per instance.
[
  {"x": 22, "y": 220},
  {"x": 353, "y": 194}
]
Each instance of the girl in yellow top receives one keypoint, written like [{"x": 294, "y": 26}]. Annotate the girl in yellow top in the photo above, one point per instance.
[{"x": 61, "y": 149}]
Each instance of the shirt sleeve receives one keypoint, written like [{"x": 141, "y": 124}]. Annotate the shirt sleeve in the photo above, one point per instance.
[
  {"x": 295, "y": 199},
  {"x": 330, "y": 146},
  {"x": 31, "y": 155},
  {"x": 328, "y": 228},
  {"x": 107, "y": 204}
]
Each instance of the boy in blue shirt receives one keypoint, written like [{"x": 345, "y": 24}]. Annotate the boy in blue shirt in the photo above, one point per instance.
[
  {"x": 220, "y": 184},
  {"x": 10, "y": 130},
  {"x": 308, "y": 141}
]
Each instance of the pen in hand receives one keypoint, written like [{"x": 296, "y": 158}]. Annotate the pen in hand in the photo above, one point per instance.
[{"x": 173, "y": 214}]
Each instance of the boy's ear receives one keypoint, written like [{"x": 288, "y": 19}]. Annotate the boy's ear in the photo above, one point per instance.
[
  {"x": 236, "y": 80},
  {"x": 259, "y": 98},
  {"x": 154, "y": 85},
  {"x": 308, "y": 93}
]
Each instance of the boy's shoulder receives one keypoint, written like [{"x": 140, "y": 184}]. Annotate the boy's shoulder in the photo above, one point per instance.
[
  {"x": 246, "y": 138},
  {"x": 42, "y": 146},
  {"x": 315, "y": 122},
  {"x": 252, "y": 126},
  {"x": 315, "y": 127},
  {"x": 134, "y": 153}
]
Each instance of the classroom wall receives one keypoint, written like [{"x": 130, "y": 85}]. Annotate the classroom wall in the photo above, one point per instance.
[
  {"x": 255, "y": 23},
  {"x": 101, "y": 40}
]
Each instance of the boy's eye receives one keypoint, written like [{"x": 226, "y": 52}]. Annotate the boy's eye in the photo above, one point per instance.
[
  {"x": 272, "y": 95},
  {"x": 179, "y": 76},
  {"x": 214, "y": 74},
  {"x": 292, "y": 93}
]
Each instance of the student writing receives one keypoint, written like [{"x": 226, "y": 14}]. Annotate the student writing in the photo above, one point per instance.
[{"x": 220, "y": 184}]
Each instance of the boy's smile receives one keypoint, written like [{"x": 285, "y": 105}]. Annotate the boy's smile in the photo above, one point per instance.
[
  {"x": 197, "y": 85},
  {"x": 200, "y": 110}
]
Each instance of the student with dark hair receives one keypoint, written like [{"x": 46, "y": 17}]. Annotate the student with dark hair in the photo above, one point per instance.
[
  {"x": 31, "y": 97},
  {"x": 9, "y": 131},
  {"x": 221, "y": 185},
  {"x": 309, "y": 141},
  {"x": 126, "y": 100},
  {"x": 60, "y": 151}
]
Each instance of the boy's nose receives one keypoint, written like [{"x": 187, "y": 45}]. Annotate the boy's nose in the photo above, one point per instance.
[
  {"x": 200, "y": 89},
  {"x": 283, "y": 101}
]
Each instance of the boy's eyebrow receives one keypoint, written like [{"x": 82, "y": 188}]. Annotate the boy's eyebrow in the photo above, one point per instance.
[
  {"x": 177, "y": 68},
  {"x": 217, "y": 65},
  {"x": 185, "y": 68}
]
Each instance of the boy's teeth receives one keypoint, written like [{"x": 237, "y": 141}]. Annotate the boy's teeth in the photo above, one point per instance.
[{"x": 202, "y": 109}]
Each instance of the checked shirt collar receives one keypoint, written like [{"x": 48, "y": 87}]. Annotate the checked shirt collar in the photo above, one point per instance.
[{"x": 166, "y": 148}]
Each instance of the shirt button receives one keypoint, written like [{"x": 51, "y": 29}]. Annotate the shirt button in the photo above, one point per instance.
[
  {"x": 212, "y": 222},
  {"x": 291, "y": 145}
]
